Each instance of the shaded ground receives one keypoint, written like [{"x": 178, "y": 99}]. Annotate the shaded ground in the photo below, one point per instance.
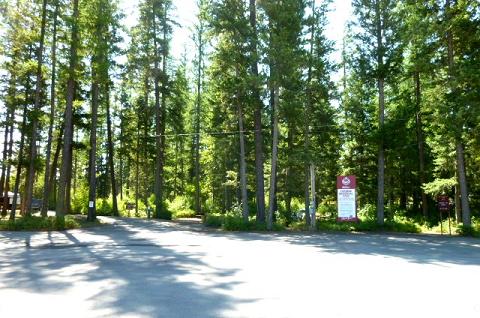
[{"x": 138, "y": 268}]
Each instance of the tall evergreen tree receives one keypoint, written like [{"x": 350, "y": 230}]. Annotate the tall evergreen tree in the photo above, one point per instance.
[{"x": 380, "y": 48}]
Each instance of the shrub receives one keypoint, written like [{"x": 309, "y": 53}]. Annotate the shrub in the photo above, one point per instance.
[
  {"x": 80, "y": 200},
  {"x": 398, "y": 224},
  {"x": 104, "y": 206},
  {"x": 214, "y": 220},
  {"x": 468, "y": 231},
  {"x": 327, "y": 210},
  {"x": 368, "y": 212},
  {"x": 180, "y": 208},
  {"x": 233, "y": 221},
  {"x": 34, "y": 223}
]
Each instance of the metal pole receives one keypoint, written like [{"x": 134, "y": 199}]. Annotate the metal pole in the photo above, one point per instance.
[
  {"x": 449, "y": 223},
  {"x": 313, "y": 205},
  {"x": 441, "y": 223}
]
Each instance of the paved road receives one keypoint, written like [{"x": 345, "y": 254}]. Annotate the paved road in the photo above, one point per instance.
[{"x": 137, "y": 268}]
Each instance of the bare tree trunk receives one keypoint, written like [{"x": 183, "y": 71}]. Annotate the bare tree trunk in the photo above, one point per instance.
[
  {"x": 381, "y": 122},
  {"x": 272, "y": 128},
  {"x": 68, "y": 131},
  {"x": 314, "y": 198},
  {"x": 462, "y": 177},
  {"x": 6, "y": 188},
  {"x": 163, "y": 113},
  {"x": 458, "y": 202},
  {"x": 68, "y": 191},
  {"x": 46, "y": 184},
  {"x": 198, "y": 202},
  {"x": 159, "y": 115},
  {"x": 121, "y": 162},
  {"x": 53, "y": 170},
  {"x": 92, "y": 158},
  {"x": 75, "y": 166},
  {"x": 175, "y": 169},
  {"x": 120, "y": 181},
  {"x": 420, "y": 141},
  {"x": 273, "y": 176},
  {"x": 33, "y": 146},
  {"x": 259, "y": 155},
  {"x": 19, "y": 163},
  {"x": 288, "y": 192},
  {"x": 111, "y": 154},
  {"x": 8, "y": 119},
  {"x": 243, "y": 166},
  {"x": 158, "y": 130},
  {"x": 307, "y": 115},
  {"x": 137, "y": 170}
]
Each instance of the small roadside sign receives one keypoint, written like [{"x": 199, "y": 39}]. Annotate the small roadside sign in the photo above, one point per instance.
[{"x": 443, "y": 203}]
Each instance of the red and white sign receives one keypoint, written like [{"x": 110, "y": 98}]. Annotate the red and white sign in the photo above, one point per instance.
[
  {"x": 443, "y": 203},
  {"x": 347, "y": 198}
]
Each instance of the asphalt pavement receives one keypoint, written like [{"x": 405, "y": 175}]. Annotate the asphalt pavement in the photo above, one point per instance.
[{"x": 141, "y": 268}]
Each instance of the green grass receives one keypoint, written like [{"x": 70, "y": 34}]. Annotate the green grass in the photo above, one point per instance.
[{"x": 34, "y": 223}]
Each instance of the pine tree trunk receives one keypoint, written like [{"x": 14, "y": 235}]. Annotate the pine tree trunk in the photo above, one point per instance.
[
  {"x": 164, "y": 91},
  {"x": 462, "y": 178},
  {"x": 46, "y": 184},
  {"x": 75, "y": 167},
  {"x": 92, "y": 158},
  {"x": 19, "y": 163},
  {"x": 273, "y": 176},
  {"x": 158, "y": 124},
  {"x": 458, "y": 201},
  {"x": 314, "y": 198},
  {"x": 381, "y": 120},
  {"x": 68, "y": 191},
  {"x": 259, "y": 156},
  {"x": 198, "y": 206},
  {"x": 111, "y": 154},
  {"x": 52, "y": 183},
  {"x": 420, "y": 141},
  {"x": 272, "y": 128},
  {"x": 8, "y": 126},
  {"x": 137, "y": 170},
  {"x": 381, "y": 158},
  {"x": 38, "y": 91},
  {"x": 243, "y": 166},
  {"x": 6, "y": 188},
  {"x": 68, "y": 131},
  {"x": 175, "y": 169},
  {"x": 307, "y": 114},
  {"x": 288, "y": 192}
]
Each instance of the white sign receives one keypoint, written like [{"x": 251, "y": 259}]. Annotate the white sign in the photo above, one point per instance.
[
  {"x": 91, "y": 204},
  {"x": 346, "y": 204}
]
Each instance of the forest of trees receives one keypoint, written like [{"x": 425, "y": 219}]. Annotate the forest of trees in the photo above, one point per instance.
[{"x": 97, "y": 117}]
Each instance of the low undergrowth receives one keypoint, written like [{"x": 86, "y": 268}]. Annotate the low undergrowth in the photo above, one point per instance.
[
  {"x": 400, "y": 226},
  {"x": 233, "y": 222},
  {"x": 35, "y": 223}
]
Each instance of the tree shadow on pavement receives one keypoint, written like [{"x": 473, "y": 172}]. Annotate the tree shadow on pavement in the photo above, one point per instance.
[{"x": 132, "y": 277}]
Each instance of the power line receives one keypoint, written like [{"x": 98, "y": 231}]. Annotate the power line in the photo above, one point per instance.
[{"x": 215, "y": 133}]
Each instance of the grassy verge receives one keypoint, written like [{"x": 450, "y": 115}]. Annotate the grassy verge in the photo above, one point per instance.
[
  {"x": 231, "y": 222},
  {"x": 370, "y": 226},
  {"x": 35, "y": 223}
]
